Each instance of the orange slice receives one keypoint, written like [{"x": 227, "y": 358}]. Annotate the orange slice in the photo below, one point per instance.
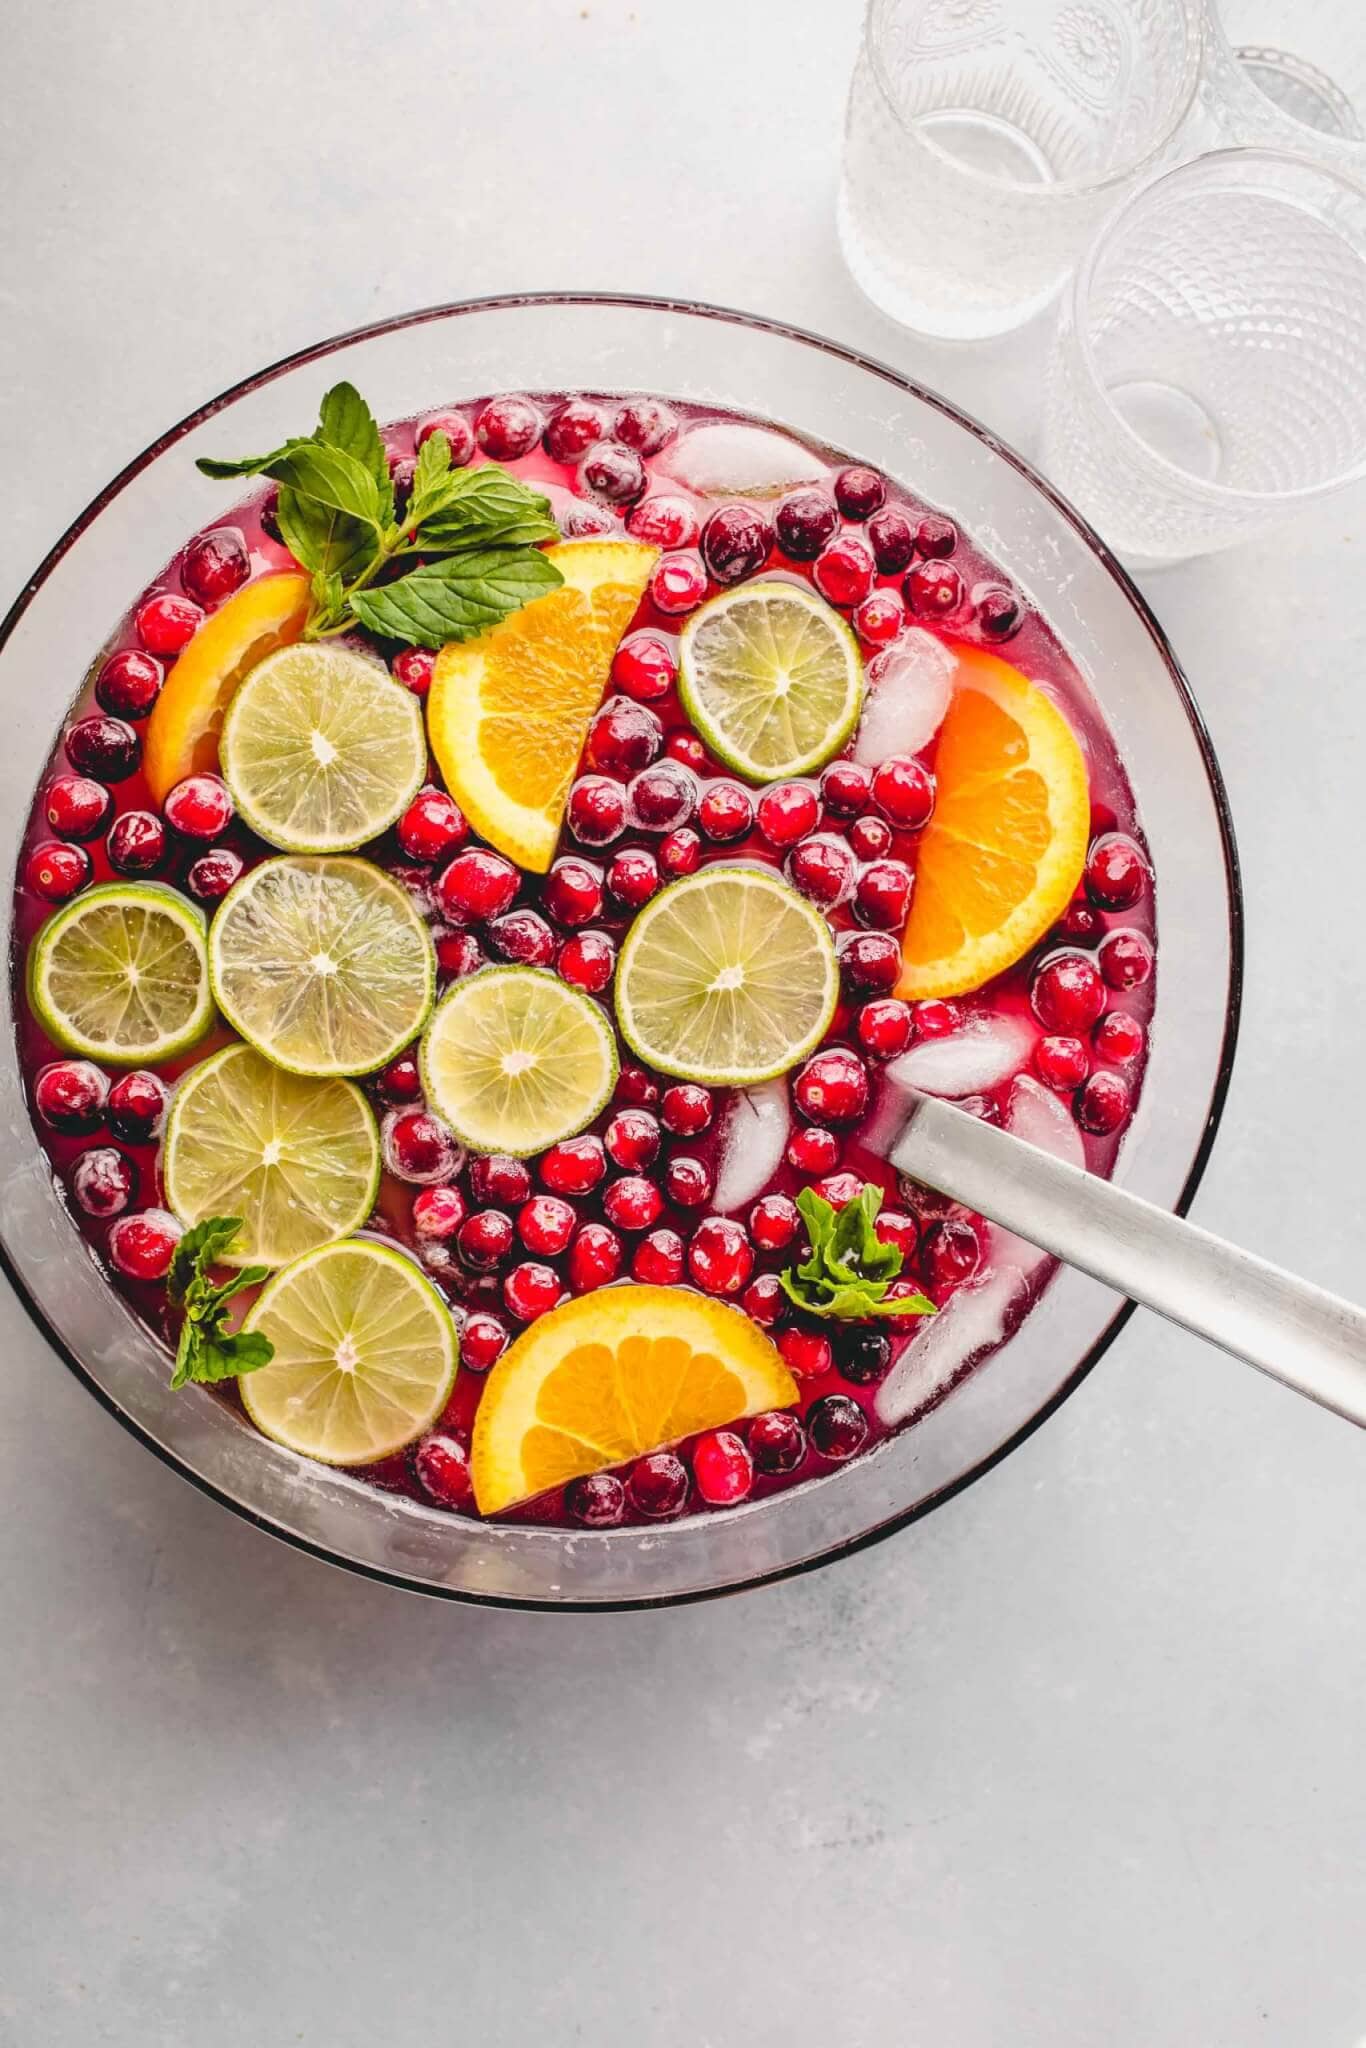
[
  {"x": 508, "y": 712},
  {"x": 1004, "y": 851},
  {"x": 182, "y": 732},
  {"x": 610, "y": 1375}
]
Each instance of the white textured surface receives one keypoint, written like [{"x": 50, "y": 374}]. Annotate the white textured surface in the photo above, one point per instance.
[{"x": 1079, "y": 1759}]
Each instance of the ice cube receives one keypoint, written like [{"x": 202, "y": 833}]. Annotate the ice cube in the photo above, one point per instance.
[
  {"x": 1037, "y": 1116},
  {"x": 909, "y": 686},
  {"x": 752, "y": 1142},
  {"x": 723, "y": 459},
  {"x": 985, "y": 1052},
  {"x": 973, "y": 1320}
]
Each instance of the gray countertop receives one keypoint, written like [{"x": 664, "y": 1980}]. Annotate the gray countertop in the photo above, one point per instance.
[{"x": 1077, "y": 1760}]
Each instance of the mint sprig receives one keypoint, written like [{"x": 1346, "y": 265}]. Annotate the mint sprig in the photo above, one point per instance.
[
  {"x": 339, "y": 519},
  {"x": 848, "y": 1268},
  {"x": 208, "y": 1350}
]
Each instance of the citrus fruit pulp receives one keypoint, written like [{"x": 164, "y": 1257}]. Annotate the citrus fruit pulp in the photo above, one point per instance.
[
  {"x": 772, "y": 678},
  {"x": 120, "y": 974},
  {"x": 182, "y": 732},
  {"x": 515, "y": 1059}
]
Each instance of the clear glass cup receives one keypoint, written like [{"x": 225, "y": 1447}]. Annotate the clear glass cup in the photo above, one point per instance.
[
  {"x": 985, "y": 139},
  {"x": 1288, "y": 74},
  {"x": 1209, "y": 370},
  {"x": 591, "y": 343}
]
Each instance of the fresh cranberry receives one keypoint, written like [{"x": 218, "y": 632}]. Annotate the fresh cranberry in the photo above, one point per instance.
[
  {"x": 722, "y": 1468},
  {"x": 597, "y": 810},
  {"x": 880, "y": 618},
  {"x": 1067, "y": 994},
  {"x": 773, "y": 1222},
  {"x": 215, "y": 565},
  {"x": 859, "y": 491},
  {"x": 806, "y": 1353},
  {"x": 572, "y": 428},
  {"x": 870, "y": 962},
  {"x": 883, "y": 894},
  {"x": 418, "y": 1147},
  {"x": 458, "y": 953},
  {"x": 165, "y": 623},
  {"x": 786, "y": 812},
  {"x": 142, "y": 1246},
  {"x": 574, "y": 1166},
  {"x": 726, "y": 812},
  {"x": 1102, "y": 1104},
  {"x": 870, "y": 838},
  {"x": 56, "y": 870},
  {"x": 680, "y": 853},
  {"x": 523, "y": 936},
  {"x": 624, "y": 738},
  {"x": 106, "y": 748},
  {"x": 477, "y": 884},
  {"x": 950, "y": 1251},
  {"x": 102, "y": 1181},
  {"x": 199, "y": 807},
  {"x": 137, "y": 843},
  {"x": 934, "y": 1018},
  {"x": 663, "y": 522},
  {"x": 839, "y": 1189},
  {"x": 632, "y": 1139},
  {"x": 903, "y": 791},
  {"x": 658, "y": 1260},
  {"x": 892, "y": 538},
  {"x": 638, "y": 1087},
  {"x": 838, "y": 1427},
  {"x": 442, "y": 1465},
  {"x": 1116, "y": 872},
  {"x": 1118, "y": 1037},
  {"x": 597, "y": 1501},
  {"x": 1125, "y": 959},
  {"x": 612, "y": 473},
  {"x": 686, "y": 1109},
  {"x": 678, "y": 583},
  {"x": 863, "y": 1357},
  {"x": 804, "y": 522},
  {"x": 933, "y": 589},
  {"x": 632, "y": 1203},
  {"x": 832, "y": 1088},
  {"x": 687, "y": 749},
  {"x": 457, "y": 429},
  {"x": 78, "y": 808},
  {"x": 885, "y": 1028},
  {"x": 573, "y": 891},
  {"x": 582, "y": 520},
  {"x": 736, "y": 542},
  {"x": 483, "y": 1340},
  {"x": 70, "y": 1096},
  {"x": 269, "y": 515},
  {"x": 499, "y": 1181},
  {"x": 438, "y": 1212},
  {"x": 211, "y": 876},
  {"x": 400, "y": 1082},
  {"x": 1081, "y": 924},
  {"x": 936, "y": 536},
  {"x": 823, "y": 869},
  {"x": 897, "y": 1227},
  {"x": 595, "y": 1257},
  {"x": 414, "y": 668},
  {"x": 508, "y": 428},
  {"x": 658, "y": 1485},
  {"x": 545, "y": 1225},
  {"x": 1061, "y": 1061},
  {"x": 764, "y": 1301},
  {"x": 844, "y": 572},
  {"x": 137, "y": 1106},
  {"x": 402, "y": 472},
  {"x": 814, "y": 1150},
  {"x": 432, "y": 826},
  {"x": 662, "y": 798},
  {"x": 720, "y": 1257},
  {"x": 632, "y": 877},
  {"x": 846, "y": 788},
  {"x": 587, "y": 960},
  {"x": 643, "y": 668},
  {"x": 129, "y": 684},
  {"x": 777, "y": 1441},
  {"x": 687, "y": 1181},
  {"x": 485, "y": 1239},
  {"x": 999, "y": 610},
  {"x": 645, "y": 425}
]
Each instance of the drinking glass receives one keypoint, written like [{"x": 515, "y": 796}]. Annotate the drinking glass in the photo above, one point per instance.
[
  {"x": 1207, "y": 375},
  {"x": 986, "y": 139},
  {"x": 1288, "y": 74}
]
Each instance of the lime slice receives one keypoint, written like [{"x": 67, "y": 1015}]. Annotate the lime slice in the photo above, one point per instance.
[
  {"x": 772, "y": 679},
  {"x": 728, "y": 977},
  {"x": 365, "y": 1354},
  {"x": 120, "y": 975},
  {"x": 298, "y": 1160},
  {"x": 322, "y": 964},
  {"x": 322, "y": 749},
  {"x": 515, "y": 1059}
]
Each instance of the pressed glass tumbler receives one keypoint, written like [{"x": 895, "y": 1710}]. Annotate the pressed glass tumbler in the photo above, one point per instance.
[{"x": 1289, "y": 74}]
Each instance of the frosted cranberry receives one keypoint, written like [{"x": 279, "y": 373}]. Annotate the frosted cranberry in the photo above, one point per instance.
[
  {"x": 1116, "y": 872},
  {"x": 457, "y": 954},
  {"x": 438, "y": 1212},
  {"x": 896, "y": 1227},
  {"x": 764, "y": 1301},
  {"x": 70, "y": 1096},
  {"x": 880, "y": 617},
  {"x": 950, "y": 1251},
  {"x": 870, "y": 962},
  {"x": 846, "y": 788},
  {"x": 663, "y": 522},
  {"x": 597, "y": 810},
  {"x": 832, "y": 1088},
  {"x": 414, "y": 668},
  {"x": 813, "y": 1151},
  {"x": 638, "y": 1087},
  {"x": 658, "y": 1260},
  {"x": 209, "y": 878},
  {"x": 137, "y": 843},
  {"x": 936, "y": 536},
  {"x": 1061, "y": 1061},
  {"x": 432, "y": 826},
  {"x": 736, "y": 541},
  {"x": 523, "y": 936},
  {"x": 545, "y": 1225},
  {"x": 645, "y": 425},
  {"x": 823, "y": 869},
  {"x": 1081, "y": 924},
  {"x": 777, "y": 1442},
  {"x": 773, "y": 1222},
  {"x": 1125, "y": 959},
  {"x": 142, "y": 1246},
  {"x": 883, "y": 894},
  {"x": 1118, "y": 1037},
  {"x": 595, "y": 1257},
  {"x": 457, "y": 429},
  {"x": 680, "y": 853},
  {"x": 612, "y": 473},
  {"x": 102, "y": 1181},
  {"x": 485, "y": 1239},
  {"x": 499, "y": 1180},
  {"x": 483, "y": 1340},
  {"x": 678, "y": 583},
  {"x": 786, "y": 812},
  {"x": 215, "y": 565},
  {"x": 838, "y": 1427},
  {"x": 999, "y": 610},
  {"x": 844, "y": 573},
  {"x": 870, "y": 838},
  {"x": 726, "y": 812},
  {"x": 165, "y": 623},
  {"x": 686, "y": 1109},
  {"x": 418, "y": 1147},
  {"x": 663, "y": 797},
  {"x": 722, "y": 1469},
  {"x": 720, "y": 1257},
  {"x": 400, "y": 1082},
  {"x": 903, "y": 791},
  {"x": 572, "y": 428},
  {"x": 587, "y": 961},
  {"x": 892, "y": 538},
  {"x": 885, "y": 1028},
  {"x": 442, "y": 1465},
  {"x": 806, "y": 1353},
  {"x": 582, "y": 520},
  {"x": 933, "y": 589},
  {"x": 129, "y": 684},
  {"x": 644, "y": 668},
  {"x": 531, "y": 1290},
  {"x": 859, "y": 491},
  {"x": 934, "y": 1018},
  {"x": 508, "y": 428},
  {"x": 56, "y": 870},
  {"x": 624, "y": 738},
  {"x": 687, "y": 749},
  {"x": 573, "y": 891},
  {"x": 632, "y": 1203},
  {"x": 632, "y": 1139},
  {"x": 658, "y": 1485},
  {"x": 477, "y": 884},
  {"x": 687, "y": 1181},
  {"x": 106, "y": 748},
  {"x": 76, "y": 807},
  {"x": 574, "y": 1166},
  {"x": 597, "y": 1501},
  {"x": 632, "y": 877},
  {"x": 839, "y": 1189},
  {"x": 863, "y": 1356},
  {"x": 1102, "y": 1104},
  {"x": 199, "y": 807},
  {"x": 136, "y": 1107},
  {"x": 804, "y": 522},
  {"x": 1067, "y": 994}
]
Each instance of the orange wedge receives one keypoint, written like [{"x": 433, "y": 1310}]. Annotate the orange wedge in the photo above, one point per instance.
[
  {"x": 1004, "y": 851},
  {"x": 613, "y": 1374},
  {"x": 508, "y": 712},
  {"x": 182, "y": 732}
]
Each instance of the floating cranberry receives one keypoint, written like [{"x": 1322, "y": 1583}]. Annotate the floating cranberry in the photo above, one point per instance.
[
  {"x": 773, "y": 1222},
  {"x": 1102, "y": 1104},
  {"x": 885, "y": 1028},
  {"x": 269, "y": 515},
  {"x": 880, "y": 618},
  {"x": 726, "y": 812},
  {"x": 215, "y": 565},
  {"x": 477, "y": 884},
  {"x": 687, "y": 1181},
  {"x": 632, "y": 1203},
  {"x": 870, "y": 962},
  {"x": 508, "y": 428},
  {"x": 457, "y": 953},
  {"x": 442, "y": 1465},
  {"x": 933, "y": 589},
  {"x": 70, "y": 1096},
  {"x": 587, "y": 961},
  {"x": 612, "y": 473},
  {"x": 883, "y": 894},
  {"x": 438, "y": 1212},
  {"x": 414, "y": 668},
  {"x": 597, "y": 1501},
  {"x": 950, "y": 1252},
  {"x": 786, "y": 812},
  {"x": 597, "y": 810},
  {"x": 806, "y": 1353},
  {"x": 77, "y": 807},
  {"x": 56, "y": 870},
  {"x": 402, "y": 471},
  {"x": 863, "y": 1357},
  {"x": 1081, "y": 924},
  {"x": 935, "y": 1018},
  {"x": 457, "y": 429},
  {"x": 658, "y": 1260},
  {"x": 1118, "y": 1037},
  {"x": 1125, "y": 959},
  {"x": 572, "y": 428},
  {"x": 846, "y": 788},
  {"x": 897, "y": 1227},
  {"x": 661, "y": 798},
  {"x": 999, "y": 610},
  {"x": 859, "y": 491},
  {"x": 645, "y": 425},
  {"x": 545, "y": 1225},
  {"x": 483, "y": 1340},
  {"x": 687, "y": 749},
  {"x": 400, "y": 1082},
  {"x": 804, "y": 522},
  {"x": 106, "y": 748},
  {"x": 936, "y": 536},
  {"x": 686, "y": 1109},
  {"x": 870, "y": 838},
  {"x": 581, "y": 520},
  {"x": 1116, "y": 872},
  {"x": 637, "y": 1086},
  {"x": 165, "y": 623},
  {"x": 137, "y": 843},
  {"x": 485, "y": 1239},
  {"x": 632, "y": 876},
  {"x": 844, "y": 572},
  {"x": 814, "y": 1150},
  {"x": 102, "y": 1181},
  {"x": 632, "y": 1139},
  {"x": 1061, "y": 1061},
  {"x": 823, "y": 869},
  {"x": 432, "y": 826},
  {"x": 678, "y": 583},
  {"x": 722, "y": 1469},
  {"x": 892, "y": 538},
  {"x": 832, "y": 1088},
  {"x": 764, "y": 1301},
  {"x": 595, "y": 1258},
  {"x": 142, "y": 1246},
  {"x": 838, "y": 1427},
  {"x": 136, "y": 1107},
  {"x": 624, "y": 738},
  {"x": 663, "y": 522},
  {"x": 523, "y": 936},
  {"x": 199, "y": 807},
  {"x": 720, "y": 1257},
  {"x": 573, "y": 891},
  {"x": 644, "y": 668},
  {"x": 903, "y": 790},
  {"x": 658, "y": 1485},
  {"x": 777, "y": 1442},
  {"x": 129, "y": 684},
  {"x": 499, "y": 1181},
  {"x": 736, "y": 542},
  {"x": 1067, "y": 994},
  {"x": 680, "y": 853},
  {"x": 418, "y": 1147},
  {"x": 839, "y": 1189},
  {"x": 574, "y": 1166}
]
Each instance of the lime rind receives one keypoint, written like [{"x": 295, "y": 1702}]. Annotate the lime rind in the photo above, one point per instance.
[
  {"x": 51, "y": 964},
  {"x": 772, "y": 678},
  {"x": 532, "y": 1015}
]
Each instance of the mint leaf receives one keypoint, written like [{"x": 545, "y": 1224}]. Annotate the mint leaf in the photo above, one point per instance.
[
  {"x": 207, "y": 1350},
  {"x": 432, "y": 476},
  {"x": 485, "y": 507},
  {"x": 457, "y": 597},
  {"x": 331, "y": 476},
  {"x": 345, "y": 421},
  {"x": 322, "y": 539},
  {"x": 848, "y": 1268},
  {"x": 250, "y": 465}
]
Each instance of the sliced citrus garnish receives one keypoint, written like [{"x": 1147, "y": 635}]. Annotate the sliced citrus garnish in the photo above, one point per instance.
[
  {"x": 508, "y": 712},
  {"x": 515, "y": 1059},
  {"x": 772, "y": 678},
  {"x": 182, "y": 732},
  {"x": 120, "y": 975},
  {"x": 365, "y": 1354},
  {"x": 1004, "y": 850},
  {"x": 613, "y": 1374}
]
